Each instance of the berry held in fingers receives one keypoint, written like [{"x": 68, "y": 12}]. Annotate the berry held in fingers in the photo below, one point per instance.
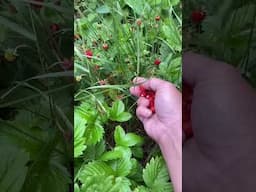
[{"x": 150, "y": 95}]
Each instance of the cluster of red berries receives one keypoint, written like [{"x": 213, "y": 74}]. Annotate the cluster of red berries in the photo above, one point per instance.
[{"x": 150, "y": 95}]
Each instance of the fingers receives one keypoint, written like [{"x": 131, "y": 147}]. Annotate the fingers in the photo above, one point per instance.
[
  {"x": 143, "y": 113},
  {"x": 143, "y": 102},
  {"x": 150, "y": 84}
]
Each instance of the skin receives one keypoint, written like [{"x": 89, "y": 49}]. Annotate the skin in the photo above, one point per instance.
[
  {"x": 221, "y": 156},
  {"x": 164, "y": 126}
]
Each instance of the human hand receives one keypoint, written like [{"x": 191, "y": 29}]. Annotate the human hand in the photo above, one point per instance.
[
  {"x": 166, "y": 121},
  {"x": 221, "y": 154}
]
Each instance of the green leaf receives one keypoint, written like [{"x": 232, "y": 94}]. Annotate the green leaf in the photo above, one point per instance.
[
  {"x": 156, "y": 177},
  {"x": 17, "y": 28},
  {"x": 137, "y": 152},
  {"x": 137, "y": 6},
  {"x": 103, "y": 9},
  {"x": 117, "y": 108},
  {"x": 125, "y": 116},
  {"x": 93, "y": 134},
  {"x": 76, "y": 188},
  {"x": 79, "y": 130},
  {"x": 13, "y": 168},
  {"x": 111, "y": 155},
  {"x": 95, "y": 151},
  {"x": 126, "y": 140},
  {"x": 142, "y": 189},
  {"x": 122, "y": 167},
  {"x": 117, "y": 153},
  {"x": 95, "y": 168},
  {"x": 102, "y": 183}
]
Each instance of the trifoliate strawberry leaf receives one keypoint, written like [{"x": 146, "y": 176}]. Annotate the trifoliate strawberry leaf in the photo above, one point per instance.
[{"x": 126, "y": 140}]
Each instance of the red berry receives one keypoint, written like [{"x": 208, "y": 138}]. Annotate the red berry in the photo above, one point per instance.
[
  {"x": 105, "y": 46},
  {"x": 157, "y": 62},
  {"x": 157, "y": 18},
  {"x": 67, "y": 63},
  {"x": 54, "y": 27},
  {"x": 139, "y": 22},
  {"x": 150, "y": 95},
  {"x": 198, "y": 16},
  {"x": 88, "y": 53}
]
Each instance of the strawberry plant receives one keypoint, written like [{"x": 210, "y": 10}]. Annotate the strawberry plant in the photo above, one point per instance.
[
  {"x": 116, "y": 41},
  {"x": 36, "y": 95}
]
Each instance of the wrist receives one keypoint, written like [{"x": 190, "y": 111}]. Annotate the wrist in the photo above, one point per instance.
[{"x": 172, "y": 135}]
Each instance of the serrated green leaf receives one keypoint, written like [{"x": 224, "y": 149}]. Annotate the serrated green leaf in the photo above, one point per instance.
[
  {"x": 156, "y": 177},
  {"x": 126, "y": 140},
  {"x": 122, "y": 167},
  {"x": 79, "y": 140},
  {"x": 95, "y": 168}
]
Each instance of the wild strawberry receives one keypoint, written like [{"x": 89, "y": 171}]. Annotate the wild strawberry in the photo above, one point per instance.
[
  {"x": 198, "y": 16},
  {"x": 67, "y": 63},
  {"x": 54, "y": 27},
  {"x": 88, "y": 53},
  {"x": 139, "y": 22},
  {"x": 105, "y": 46},
  {"x": 157, "y": 61},
  {"x": 150, "y": 95},
  {"x": 157, "y": 18}
]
